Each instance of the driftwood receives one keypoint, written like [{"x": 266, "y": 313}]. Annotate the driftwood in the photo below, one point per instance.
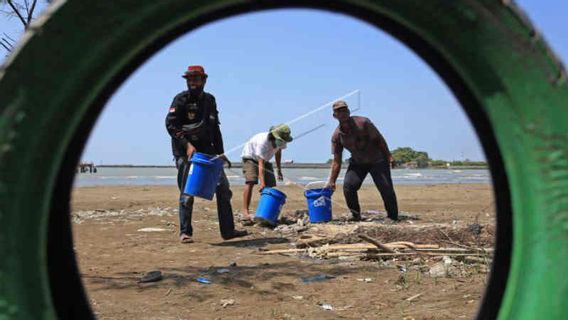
[
  {"x": 354, "y": 247},
  {"x": 360, "y": 248},
  {"x": 415, "y": 253},
  {"x": 306, "y": 241},
  {"x": 475, "y": 259},
  {"x": 343, "y": 254},
  {"x": 377, "y": 250},
  {"x": 459, "y": 250},
  {"x": 408, "y": 245},
  {"x": 375, "y": 242},
  {"x": 414, "y": 297}
]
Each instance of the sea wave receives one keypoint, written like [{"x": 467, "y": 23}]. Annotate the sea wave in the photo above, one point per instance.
[
  {"x": 410, "y": 175},
  {"x": 160, "y": 177},
  {"x": 309, "y": 178}
]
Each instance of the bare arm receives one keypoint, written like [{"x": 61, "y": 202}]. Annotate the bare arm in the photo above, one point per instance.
[
  {"x": 337, "y": 151},
  {"x": 335, "y": 169},
  {"x": 261, "y": 174},
  {"x": 278, "y": 157}
]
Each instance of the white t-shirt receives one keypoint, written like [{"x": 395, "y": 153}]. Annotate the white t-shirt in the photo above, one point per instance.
[{"x": 259, "y": 147}]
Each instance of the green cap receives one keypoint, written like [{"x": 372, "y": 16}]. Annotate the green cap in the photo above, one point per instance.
[{"x": 281, "y": 132}]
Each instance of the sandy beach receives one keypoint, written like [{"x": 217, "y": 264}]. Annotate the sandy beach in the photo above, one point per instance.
[{"x": 121, "y": 232}]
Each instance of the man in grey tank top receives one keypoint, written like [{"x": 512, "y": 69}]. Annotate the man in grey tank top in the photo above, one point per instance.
[{"x": 369, "y": 154}]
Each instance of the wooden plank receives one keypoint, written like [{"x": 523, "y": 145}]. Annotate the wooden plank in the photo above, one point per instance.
[{"x": 376, "y": 242}]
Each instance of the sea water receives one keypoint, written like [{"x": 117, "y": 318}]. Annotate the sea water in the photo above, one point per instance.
[{"x": 168, "y": 176}]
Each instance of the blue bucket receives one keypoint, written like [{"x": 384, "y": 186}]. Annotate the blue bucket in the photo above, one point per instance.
[
  {"x": 270, "y": 205},
  {"x": 203, "y": 176},
  {"x": 319, "y": 204}
]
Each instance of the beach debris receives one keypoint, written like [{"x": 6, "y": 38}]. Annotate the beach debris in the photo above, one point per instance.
[
  {"x": 414, "y": 297},
  {"x": 310, "y": 240},
  {"x": 290, "y": 229},
  {"x": 79, "y": 216},
  {"x": 168, "y": 292},
  {"x": 418, "y": 254},
  {"x": 233, "y": 264},
  {"x": 297, "y": 297},
  {"x": 474, "y": 259},
  {"x": 316, "y": 278},
  {"x": 351, "y": 247},
  {"x": 442, "y": 268},
  {"x": 475, "y": 228},
  {"x": 152, "y": 230},
  {"x": 203, "y": 280},
  {"x": 227, "y": 302},
  {"x": 376, "y": 243},
  {"x": 151, "y": 276},
  {"x": 301, "y": 214},
  {"x": 343, "y": 308},
  {"x": 223, "y": 270},
  {"x": 438, "y": 270},
  {"x": 326, "y": 306},
  {"x": 366, "y": 280}
]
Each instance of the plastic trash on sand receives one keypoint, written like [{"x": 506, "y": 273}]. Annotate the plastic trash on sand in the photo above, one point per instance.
[
  {"x": 203, "y": 280},
  {"x": 319, "y": 277}
]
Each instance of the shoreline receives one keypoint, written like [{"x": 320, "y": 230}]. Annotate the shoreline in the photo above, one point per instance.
[{"x": 296, "y": 166}]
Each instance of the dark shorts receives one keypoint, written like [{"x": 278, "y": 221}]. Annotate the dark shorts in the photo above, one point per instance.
[{"x": 250, "y": 171}]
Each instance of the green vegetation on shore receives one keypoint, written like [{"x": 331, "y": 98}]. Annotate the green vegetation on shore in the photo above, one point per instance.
[{"x": 408, "y": 157}]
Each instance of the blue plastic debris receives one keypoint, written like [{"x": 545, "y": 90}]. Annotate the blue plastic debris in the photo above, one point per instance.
[
  {"x": 203, "y": 280},
  {"x": 319, "y": 277}
]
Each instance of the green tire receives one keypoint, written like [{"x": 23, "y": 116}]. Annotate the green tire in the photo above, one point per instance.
[{"x": 73, "y": 58}]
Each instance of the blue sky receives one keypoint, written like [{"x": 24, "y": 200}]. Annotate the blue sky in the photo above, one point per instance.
[{"x": 270, "y": 67}]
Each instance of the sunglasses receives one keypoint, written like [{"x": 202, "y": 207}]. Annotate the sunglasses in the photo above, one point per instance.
[{"x": 194, "y": 78}]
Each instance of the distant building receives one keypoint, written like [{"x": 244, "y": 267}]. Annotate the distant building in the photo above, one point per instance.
[
  {"x": 289, "y": 161},
  {"x": 414, "y": 164},
  {"x": 86, "y": 167},
  {"x": 410, "y": 165}
]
